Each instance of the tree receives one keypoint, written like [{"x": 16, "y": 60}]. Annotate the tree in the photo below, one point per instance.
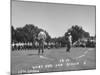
[
  {"x": 12, "y": 34},
  {"x": 86, "y": 34},
  {"x": 77, "y": 32},
  {"x": 28, "y": 33},
  {"x": 48, "y": 37}
]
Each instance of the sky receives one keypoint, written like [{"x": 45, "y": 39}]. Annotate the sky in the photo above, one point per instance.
[{"x": 56, "y": 19}]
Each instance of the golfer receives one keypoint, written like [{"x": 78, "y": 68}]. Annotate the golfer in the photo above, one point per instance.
[
  {"x": 69, "y": 43},
  {"x": 41, "y": 41}
]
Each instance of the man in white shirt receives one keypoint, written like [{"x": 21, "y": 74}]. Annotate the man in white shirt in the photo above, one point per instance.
[
  {"x": 41, "y": 40},
  {"x": 69, "y": 44}
]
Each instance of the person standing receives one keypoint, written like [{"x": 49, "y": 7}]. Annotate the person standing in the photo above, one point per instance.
[
  {"x": 69, "y": 42},
  {"x": 41, "y": 40}
]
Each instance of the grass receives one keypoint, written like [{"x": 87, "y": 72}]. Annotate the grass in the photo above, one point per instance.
[{"x": 52, "y": 60}]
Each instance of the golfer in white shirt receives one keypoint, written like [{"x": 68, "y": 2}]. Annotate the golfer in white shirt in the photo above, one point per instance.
[{"x": 41, "y": 40}]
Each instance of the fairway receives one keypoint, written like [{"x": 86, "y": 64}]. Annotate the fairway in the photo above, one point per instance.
[{"x": 28, "y": 61}]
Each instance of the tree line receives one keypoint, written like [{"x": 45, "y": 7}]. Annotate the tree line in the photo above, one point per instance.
[{"x": 29, "y": 33}]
